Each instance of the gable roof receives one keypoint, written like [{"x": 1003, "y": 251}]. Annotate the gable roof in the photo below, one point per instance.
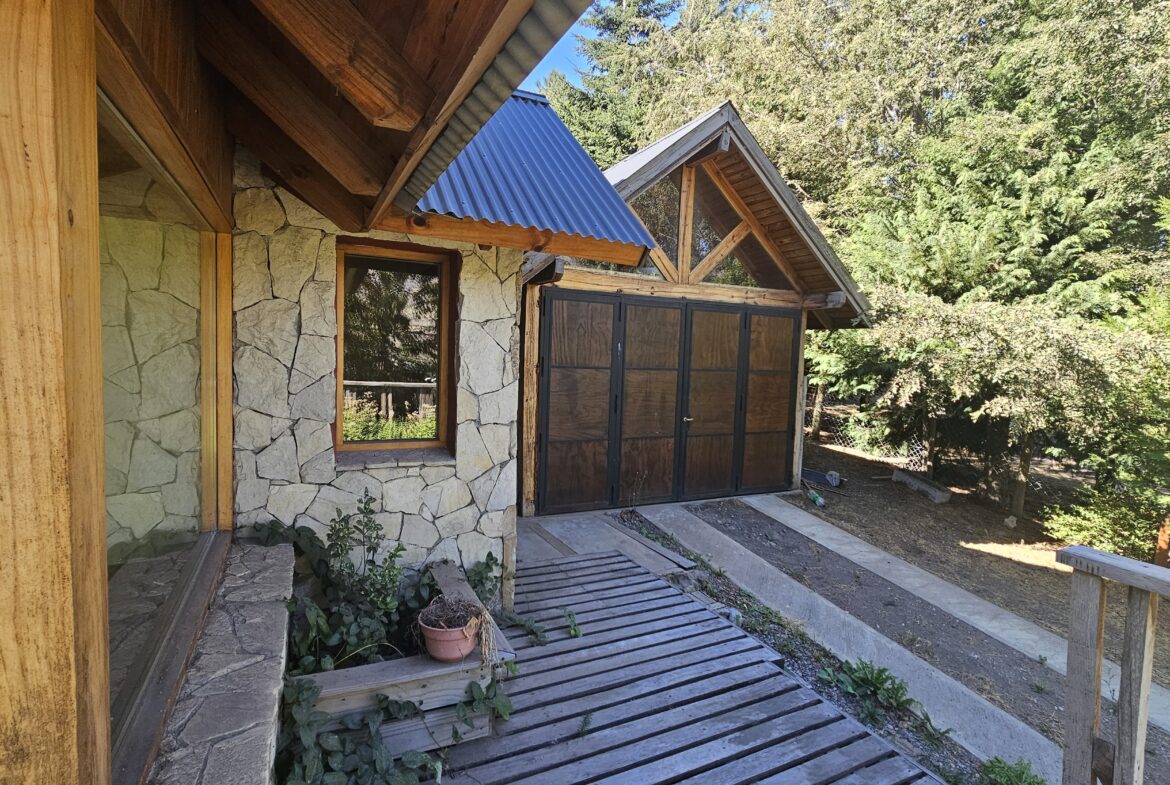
[
  {"x": 524, "y": 168},
  {"x": 722, "y": 134}
]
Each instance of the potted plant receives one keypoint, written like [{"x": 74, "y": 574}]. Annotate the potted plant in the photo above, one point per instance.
[{"x": 450, "y": 627}]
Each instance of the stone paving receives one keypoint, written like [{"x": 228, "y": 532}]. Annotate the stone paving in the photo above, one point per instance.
[{"x": 224, "y": 724}]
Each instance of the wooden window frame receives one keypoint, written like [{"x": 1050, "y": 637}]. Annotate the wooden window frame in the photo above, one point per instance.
[{"x": 448, "y": 263}]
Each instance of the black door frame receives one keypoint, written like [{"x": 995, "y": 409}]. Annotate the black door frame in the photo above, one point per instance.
[{"x": 687, "y": 307}]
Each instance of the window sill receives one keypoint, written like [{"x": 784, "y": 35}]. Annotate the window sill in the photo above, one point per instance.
[{"x": 357, "y": 460}]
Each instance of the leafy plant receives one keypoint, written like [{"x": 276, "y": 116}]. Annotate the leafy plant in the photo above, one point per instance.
[
  {"x": 484, "y": 578},
  {"x": 534, "y": 629},
  {"x": 867, "y": 682},
  {"x": 574, "y": 628},
  {"x": 353, "y": 754},
  {"x": 353, "y": 616},
  {"x": 489, "y": 700},
  {"x": 933, "y": 734},
  {"x": 586, "y": 723},
  {"x": 1000, "y": 772}
]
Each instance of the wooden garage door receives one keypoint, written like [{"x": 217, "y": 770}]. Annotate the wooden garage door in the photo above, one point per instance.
[{"x": 646, "y": 400}]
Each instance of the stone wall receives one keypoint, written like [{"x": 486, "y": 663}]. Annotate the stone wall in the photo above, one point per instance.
[
  {"x": 437, "y": 505},
  {"x": 150, "y": 357}
]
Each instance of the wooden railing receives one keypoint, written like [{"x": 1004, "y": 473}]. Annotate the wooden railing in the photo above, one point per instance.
[{"x": 1087, "y": 756}]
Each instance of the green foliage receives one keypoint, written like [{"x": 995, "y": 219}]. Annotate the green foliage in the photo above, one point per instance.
[
  {"x": 876, "y": 689},
  {"x": 363, "y": 422},
  {"x": 534, "y": 629},
  {"x": 355, "y": 612},
  {"x": 934, "y": 735},
  {"x": 1000, "y": 772},
  {"x": 484, "y": 578},
  {"x": 489, "y": 700},
  {"x": 1124, "y": 520},
  {"x": 353, "y": 754},
  {"x": 571, "y": 618}
]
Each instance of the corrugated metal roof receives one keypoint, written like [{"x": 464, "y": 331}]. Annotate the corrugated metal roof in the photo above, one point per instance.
[
  {"x": 524, "y": 168},
  {"x": 544, "y": 24}
]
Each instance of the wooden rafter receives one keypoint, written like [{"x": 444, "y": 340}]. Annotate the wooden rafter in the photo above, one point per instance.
[
  {"x": 293, "y": 167},
  {"x": 686, "y": 222},
  {"x": 444, "y": 106},
  {"x": 664, "y": 265},
  {"x": 720, "y": 252},
  {"x": 343, "y": 46},
  {"x": 633, "y": 283},
  {"x": 257, "y": 73},
  {"x": 737, "y": 202},
  {"x": 508, "y": 236}
]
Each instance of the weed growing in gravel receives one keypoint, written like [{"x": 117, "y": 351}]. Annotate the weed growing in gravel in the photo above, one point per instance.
[{"x": 999, "y": 772}]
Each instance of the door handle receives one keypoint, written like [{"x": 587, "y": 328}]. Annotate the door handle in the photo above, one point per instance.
[{"x": 688, "y": 419}]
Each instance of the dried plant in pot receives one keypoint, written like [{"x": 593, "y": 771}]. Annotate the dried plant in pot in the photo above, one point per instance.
[{"x": 450, "y": 627}]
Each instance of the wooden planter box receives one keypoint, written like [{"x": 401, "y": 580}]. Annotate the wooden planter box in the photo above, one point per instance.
[{"x": 435, "y": 687}]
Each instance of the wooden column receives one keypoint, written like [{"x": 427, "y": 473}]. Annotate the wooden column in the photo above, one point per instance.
[
  {"x": 686, "y": 222},
  {"x": 1082, "y": 722},
  {"x": 54, "y": 671},
  {"x": 1133, "y": 702}
]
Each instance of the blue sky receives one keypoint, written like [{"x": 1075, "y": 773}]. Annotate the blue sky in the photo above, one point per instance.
[{"x": 563, "y": 57}]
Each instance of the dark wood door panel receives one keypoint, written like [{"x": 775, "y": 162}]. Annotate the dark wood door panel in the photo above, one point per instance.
[
  {"x": 709, "y": 465},
  {"x": 765, "y": 460},
  {"x": 647, "y": 470},
  {"x": 711, "y": 402},
  {"x": 715, "y": 339},
  {"x": 771, "y": 343},
  {"x": 650, "y": 404},
  {"x": 576, "y": 474},
  {"x": 769, "y": 402},
  {"x": 652, "y": 336},
  {"x": 582, "y": 333},
  {"x": 578, "y": 404}
]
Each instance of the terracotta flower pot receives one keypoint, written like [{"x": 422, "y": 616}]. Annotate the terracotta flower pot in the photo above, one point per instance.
[{"x": 451, "y": 645}]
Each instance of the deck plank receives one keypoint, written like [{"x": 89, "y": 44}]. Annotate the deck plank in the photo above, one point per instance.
[{"x": 672, "y": 693}]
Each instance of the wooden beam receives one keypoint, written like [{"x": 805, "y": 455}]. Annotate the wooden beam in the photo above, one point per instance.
[
  {"x": 352, "y": 55},
  {"x": 444, "y": 106},
  {"x": 664, "y": 265},
  {"x": 732, "y": 196},
  {"x": 820, "y": 302},
  {"x": 208, "y": 380},
  {"x": 54, "y": 667},
  {"x": 686, "y": 222},
  {"x": 1133, "y": 702},
  {"x": 258, "y": 73},
  {"x": 293, "y": 167},
  {"x": 720, "y": 252},
  {"x": 505, "y": 236},
  {"x": 224, "y": 425},
  {"x": 801, "y": 402},
  {"x": 1082, "y": 722},
  {"x": 197, "y": 166},
  {"x": 632, "y": 283},
  {"x": 529, "y": 392}
]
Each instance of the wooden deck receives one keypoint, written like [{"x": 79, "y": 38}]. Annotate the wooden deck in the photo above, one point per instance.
[{"x": 658, "y": 689}]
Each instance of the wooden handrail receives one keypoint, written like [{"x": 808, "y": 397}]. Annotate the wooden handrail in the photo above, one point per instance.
[{"x": 1087, "y": 757}]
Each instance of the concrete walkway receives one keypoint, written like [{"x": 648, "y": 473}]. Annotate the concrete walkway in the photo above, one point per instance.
[
  {"x": 994, "y": 621},
  {"x": 981, "y": 727}
]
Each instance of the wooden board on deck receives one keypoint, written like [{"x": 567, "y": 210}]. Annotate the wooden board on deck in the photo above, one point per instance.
[{"x": 656, "y": 689}]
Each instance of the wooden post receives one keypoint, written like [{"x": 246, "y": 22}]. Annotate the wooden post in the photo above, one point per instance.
[
  {"x": 686, "y": 222},
  {"x": 1083, "y": 701},
  {"x": 54, "y": 670},
  {"x": 1133, "y": 702}
]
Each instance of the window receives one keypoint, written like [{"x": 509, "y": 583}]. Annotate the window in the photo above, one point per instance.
[{"x": 395, "y": 327}]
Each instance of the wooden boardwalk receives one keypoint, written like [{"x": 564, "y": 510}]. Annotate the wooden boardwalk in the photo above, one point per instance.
[{"x": 658, "y": 689}]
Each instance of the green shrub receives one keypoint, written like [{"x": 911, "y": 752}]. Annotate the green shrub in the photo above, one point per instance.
[
  {"x": 1000, "y": 772},
  {"x": 362, "y": 422},
  {"x": 1113, "y": 520}
]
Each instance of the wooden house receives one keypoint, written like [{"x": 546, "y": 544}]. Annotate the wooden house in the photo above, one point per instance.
[{"x": 681, "y": 380}]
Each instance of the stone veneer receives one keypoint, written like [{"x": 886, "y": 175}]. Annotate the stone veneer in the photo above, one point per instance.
[
  {"x": 150, "y": 359},
  {"x": 223, "y": 728},
  {"x": 437, "y": 505}
]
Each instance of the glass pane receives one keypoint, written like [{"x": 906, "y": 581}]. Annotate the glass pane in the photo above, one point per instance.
[
  {"x": 150, "y": 292},
  {"x": 657, "y": 206},
  {"x": 733, "y": 271},
  {"x": 391, "y": 346}
]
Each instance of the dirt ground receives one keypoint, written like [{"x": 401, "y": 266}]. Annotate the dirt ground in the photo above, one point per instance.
[{"x": 966, "y": 542}]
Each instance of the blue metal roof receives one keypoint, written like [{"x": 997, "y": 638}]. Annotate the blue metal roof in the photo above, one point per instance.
[{"x": 524, "y": 168}]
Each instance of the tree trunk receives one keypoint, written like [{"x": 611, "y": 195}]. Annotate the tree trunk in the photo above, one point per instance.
[
  {"x": 930, "y": 442},
  {"x": 1020, "y": 491},
  {"x": 818, "y": 413}
]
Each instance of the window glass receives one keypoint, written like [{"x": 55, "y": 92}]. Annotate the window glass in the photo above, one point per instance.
[
  {"x": 657, "y": 206},
  {"x": 392, "y": 349},
  {"x": 150, "y": 295}
]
